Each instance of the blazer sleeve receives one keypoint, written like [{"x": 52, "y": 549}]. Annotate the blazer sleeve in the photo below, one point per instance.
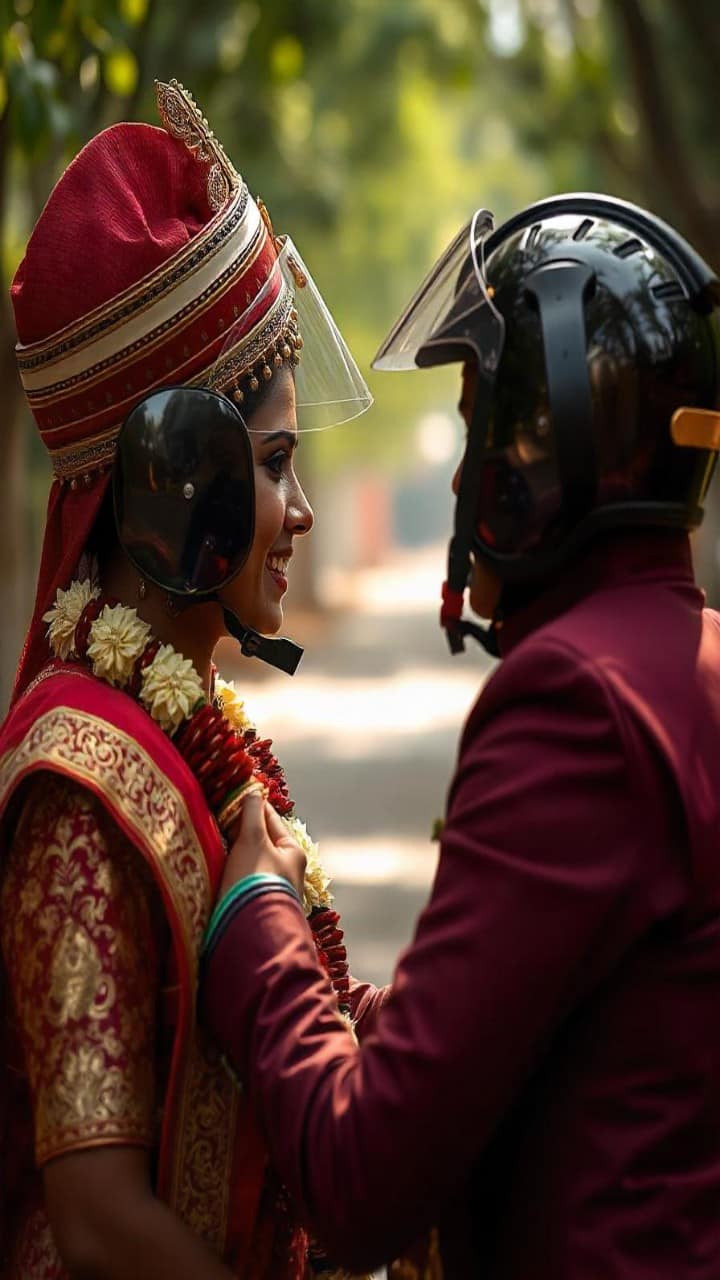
[
  {"x": 554, "y": 859},
  {"x": 366, "y": 1001}
]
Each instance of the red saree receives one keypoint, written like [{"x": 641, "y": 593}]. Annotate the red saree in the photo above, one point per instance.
[{"x": 210, "y": 1159}]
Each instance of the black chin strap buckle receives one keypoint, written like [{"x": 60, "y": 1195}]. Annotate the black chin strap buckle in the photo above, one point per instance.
[
  {"x": 457, "y": 628},
  {"x": 485, "y": 636},
  {"x": 455, "y": 637},
  {"x": 456, "y": 632},
  {"x": 283, "y": 654}
]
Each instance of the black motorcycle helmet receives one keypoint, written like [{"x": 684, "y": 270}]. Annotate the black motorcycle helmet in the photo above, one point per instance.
[
  {"x": 598, "y": 352},
  {"x": 184, "y": 503},
  {"x": 184, "y": 492}
]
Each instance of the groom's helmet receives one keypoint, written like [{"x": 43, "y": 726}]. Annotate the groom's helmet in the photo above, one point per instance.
[{"x": 592, "y": 326}]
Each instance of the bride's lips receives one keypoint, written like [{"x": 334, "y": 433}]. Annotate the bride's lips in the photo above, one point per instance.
[{"x": 276, "y": 565}]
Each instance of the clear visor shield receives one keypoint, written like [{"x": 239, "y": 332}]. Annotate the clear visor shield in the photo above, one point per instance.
[
  {"x": 288, "y": 326},
  {"x": 452, "y": 310}
]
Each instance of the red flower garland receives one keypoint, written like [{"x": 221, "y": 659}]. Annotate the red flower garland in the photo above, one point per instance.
[{"x": 224, "y": 762}]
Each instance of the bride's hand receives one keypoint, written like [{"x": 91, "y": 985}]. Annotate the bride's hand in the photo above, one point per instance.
[{"x": 263, "y": 843}]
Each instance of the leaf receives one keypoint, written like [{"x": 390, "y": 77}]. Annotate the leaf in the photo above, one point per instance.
[
  {"x": 133, "y": 11},
  {"x": 120, "y": 71},
  {"x": 287, "y": 58}
]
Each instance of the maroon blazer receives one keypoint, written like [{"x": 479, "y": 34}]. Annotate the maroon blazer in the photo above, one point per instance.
[{"x": 544, "y": 1080}]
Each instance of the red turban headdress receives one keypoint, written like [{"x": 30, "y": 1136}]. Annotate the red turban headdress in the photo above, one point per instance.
[{"x": 149, "y": 249}]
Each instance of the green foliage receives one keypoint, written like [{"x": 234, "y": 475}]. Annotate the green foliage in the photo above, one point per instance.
[
  {"x": 372, "y": 129},
  {"x": 619, "y": 95}
]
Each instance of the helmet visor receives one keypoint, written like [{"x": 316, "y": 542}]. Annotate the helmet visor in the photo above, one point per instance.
[
  {"x": 288, "y": 323},
  {"x": 452, "y": 315}
]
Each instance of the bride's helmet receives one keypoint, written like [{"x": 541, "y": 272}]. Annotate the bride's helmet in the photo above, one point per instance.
[{"x": 593, "y": 329}]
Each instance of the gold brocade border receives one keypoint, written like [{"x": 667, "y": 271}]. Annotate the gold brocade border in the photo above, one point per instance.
[
  {"x": 116, "y": 767},
  {"x": 203, "y": 1105}
]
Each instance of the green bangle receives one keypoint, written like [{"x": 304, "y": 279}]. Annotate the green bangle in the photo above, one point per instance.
[{"x": 239, "y": 890}]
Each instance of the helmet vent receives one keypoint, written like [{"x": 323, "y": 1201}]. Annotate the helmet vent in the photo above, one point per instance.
[
  {"x": 668, "y": 291},
  {"x": 532, "y": 236},
  {"x": 628, "y": 248},
  {"x": 581, "y": 232}
]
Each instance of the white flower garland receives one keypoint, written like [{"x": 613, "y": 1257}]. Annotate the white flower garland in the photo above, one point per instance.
[
  {"x": 171, "y": 687},
  {"x": 65, "y": 615},
  {"x": 316, "y": 892},
  {"x": 117, "y": 638}
]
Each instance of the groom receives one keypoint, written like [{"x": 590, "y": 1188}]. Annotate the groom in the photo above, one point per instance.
[{"x": 543, "y": 1085}]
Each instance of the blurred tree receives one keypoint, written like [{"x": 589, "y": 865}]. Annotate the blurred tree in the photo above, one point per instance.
[
  {"x": 371, "y": 129},
  {"x": 618, "y": 95},
  {"x": 66, "y": 69}
]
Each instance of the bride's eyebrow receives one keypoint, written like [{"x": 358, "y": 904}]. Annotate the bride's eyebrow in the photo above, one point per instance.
[{"x": 284, "y": 434}]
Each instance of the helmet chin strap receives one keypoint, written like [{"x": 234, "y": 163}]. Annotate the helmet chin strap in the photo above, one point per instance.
[
  {"x": 459, "y": 563},
  {"x": 457, "y": 628},
  {"x": 281, "y": 653}
]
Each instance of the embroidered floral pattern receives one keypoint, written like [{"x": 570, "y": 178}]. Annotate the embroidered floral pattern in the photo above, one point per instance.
[
  {"x": 34, "y": 1253},
  {"x": 98, "y": 753},
  {"x": 201, "y": 1191},
  {"x": 78, "y": 950}
]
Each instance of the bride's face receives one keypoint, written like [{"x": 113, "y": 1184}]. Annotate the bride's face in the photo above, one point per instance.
[{"x": 282, "y": 512}]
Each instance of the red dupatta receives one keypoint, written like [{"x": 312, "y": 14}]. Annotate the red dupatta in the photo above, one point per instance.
[{"x": 212, "y": 1162}]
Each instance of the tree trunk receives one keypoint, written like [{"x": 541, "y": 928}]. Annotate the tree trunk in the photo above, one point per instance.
[{"x": 668, "y": 156}]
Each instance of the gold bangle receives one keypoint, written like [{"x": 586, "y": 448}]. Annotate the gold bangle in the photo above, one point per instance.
[{"x": 230, "y": 812}]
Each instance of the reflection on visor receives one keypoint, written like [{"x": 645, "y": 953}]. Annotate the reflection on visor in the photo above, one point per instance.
[
  {"x": 183, "y": 490},
  {"x": 451, "y": 311},
  {"x": 288, "y": 325}
]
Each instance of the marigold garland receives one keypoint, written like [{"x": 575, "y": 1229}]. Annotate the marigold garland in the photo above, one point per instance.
[{"x": 217, "y": 740}]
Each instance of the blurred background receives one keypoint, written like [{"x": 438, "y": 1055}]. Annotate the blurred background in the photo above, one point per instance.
[{"x": 372, "y": 129}]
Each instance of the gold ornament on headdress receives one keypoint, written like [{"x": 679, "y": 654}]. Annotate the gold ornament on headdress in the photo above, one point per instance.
[
  {"x": 182, "y": 119},
  {"x": 254, "y": 361}
]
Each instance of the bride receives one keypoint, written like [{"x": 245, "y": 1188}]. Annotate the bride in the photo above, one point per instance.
[{"x": 172, "y": 348}]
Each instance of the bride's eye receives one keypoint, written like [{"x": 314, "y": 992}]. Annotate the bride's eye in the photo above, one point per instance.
[{"x": 276, "y": 462}]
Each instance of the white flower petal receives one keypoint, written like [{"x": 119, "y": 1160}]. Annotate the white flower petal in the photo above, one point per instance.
[
  {"x": 117, "y": 639},
  {"x": 171, "y": 688},
  {"x": 233, "y": 706},
  {"x": 65, "y": 615},
  {"x": 316, "y": 890}
]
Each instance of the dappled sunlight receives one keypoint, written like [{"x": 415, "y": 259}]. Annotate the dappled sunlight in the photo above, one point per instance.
[
  {"x": 380, "y": 860},
  {"x": 352, "y": 714},
  {"x": 410, "y": 582}
]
